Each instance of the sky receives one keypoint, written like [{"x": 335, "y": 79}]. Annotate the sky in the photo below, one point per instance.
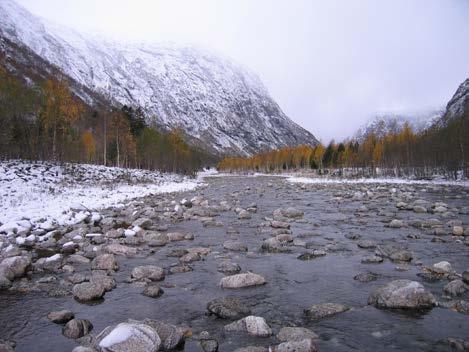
[{"x": 331, "y": 65}]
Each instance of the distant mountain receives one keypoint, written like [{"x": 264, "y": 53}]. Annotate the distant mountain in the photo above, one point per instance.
[
  {"x": 222, "y": 106},
  {"x": 383, "y": 124},
  {"x": 458, "y": 106}
]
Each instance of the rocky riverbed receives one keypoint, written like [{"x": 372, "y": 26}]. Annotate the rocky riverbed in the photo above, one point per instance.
[{"x": 245, "y": 264}]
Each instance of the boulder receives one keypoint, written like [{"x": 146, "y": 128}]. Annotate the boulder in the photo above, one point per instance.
[
  {"x": 324, "y": 310},
  {"x": 129, "y": 336},
  {"x": 242, "y": 280},
  {"x": 295, "y": 334},
  {"x": 104, "y": 262},
  {"x": 61, "y": 316},
  {"x": 402, "y": 294},
  {"x": 77, "y": 328},
  {"x": 88, "y": 291},
  {"x": 148, "y": 272},
  {"x": 228, "y": 308},
  {"x": 254, "y": 326}
]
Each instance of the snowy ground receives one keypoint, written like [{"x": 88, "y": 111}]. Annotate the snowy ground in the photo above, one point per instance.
[{"x": 48, "y": 191}]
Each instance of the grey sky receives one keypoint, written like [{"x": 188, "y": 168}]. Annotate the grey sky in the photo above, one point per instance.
[{"x": 331, "y": 65}]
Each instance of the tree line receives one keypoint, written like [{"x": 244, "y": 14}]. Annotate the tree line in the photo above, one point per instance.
[
  {"x": 442, "y": 148},
  {"x": 47, "y": 121}
]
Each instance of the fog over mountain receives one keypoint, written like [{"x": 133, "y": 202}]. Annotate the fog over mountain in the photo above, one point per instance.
[{"x": 331, "y": 65}]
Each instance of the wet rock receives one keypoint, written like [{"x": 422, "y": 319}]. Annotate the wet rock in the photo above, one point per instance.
[
  {"x": 394, "y": 253},
  {"x": 442, "y": 268},
  {"x": 305, "y": 345},
  {"x": 190, "y": 257},
  {"x": 104, "y": 262},
  {"x": 130, "y": 336},
  {"x": 366, "y": 277},
  {"x": 153, "y": 291},
  {"x": 396, "y": 224},
  {"x": 228, "y": 308},
  {"x": 373, "y": 259},
  {"x": 461, "y": 307},
  {"x": 178, "y": 252},
  {"x": 77, "y": 259},
  {"x": 61, "y": 316},
  {"x": 402, "y": 294},
  {"x": 244, "y": 214},
  {"x": 366, "y": 244},
  {"x": 229, "y": 268},
  {"x": 143, "y": 223},
  {"x": 455, "y": 288},
  {"x": 100, "y": 278},
  {"x": 77, "y": 328},
  {"x": 457, "y": 345},
  {"x": 324, "y": 310},
  {"x": 77, "y": 278},
  {"x": 88, "y": 291},
  {"x": 176, "y": 236},
  {"x": 178, "y": 269},
  {"x": 119, "y": 249},
  {"x": 148, "y": 272},
  {"x": 419, "y": 209},
  {"x": 235, "y": 246},
  {"x": 209, "y": 345},
  {"x": 312, "y": 255},
  {"x": 289, "y": 212},
  {"x": 14, "y": 267},
  {"x": 272, "y": 245},
  {"x": 279, "y": 224},
  {"x": 155, "y": 239},
  {"x": 458, "y": 231},
  {"x": 465, "y": 276},
  {"x": 242, "y": 280},
  {"x": 295, "y": 334},
  {"x": 172, "y": 336},
  {"x": 254, "y": 326}
]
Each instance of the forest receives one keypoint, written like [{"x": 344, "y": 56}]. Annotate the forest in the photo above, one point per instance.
[
  {"x": 441, "y": 149},
  {"x": 47, "y": 121}
]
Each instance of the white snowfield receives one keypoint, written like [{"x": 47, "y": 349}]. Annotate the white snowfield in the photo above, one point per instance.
[{"x": 43, "y": 192}]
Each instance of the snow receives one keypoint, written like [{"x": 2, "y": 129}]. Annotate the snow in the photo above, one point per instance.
[
  {"x": 48, "y": 194},
  {"x": 311, "y": 180},
  {"x": 119, "y": 334}
]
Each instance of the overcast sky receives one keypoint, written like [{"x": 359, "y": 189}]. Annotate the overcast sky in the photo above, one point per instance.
[{"x": 331, "y": 65}]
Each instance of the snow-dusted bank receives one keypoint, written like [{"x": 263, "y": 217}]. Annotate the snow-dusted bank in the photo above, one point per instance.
[
  {"x": 44, "y": 192},
  {"x": 320, "y": 180}
]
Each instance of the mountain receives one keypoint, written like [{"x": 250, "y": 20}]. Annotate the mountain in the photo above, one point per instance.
[
  {"x": 382, "y": 124},
  {"x": 458, "y": 106},
  {"x": 222, "y": 106}
]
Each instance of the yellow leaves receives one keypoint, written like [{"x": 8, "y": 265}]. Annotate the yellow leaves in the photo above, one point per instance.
[{"x": 89, "y": 145}]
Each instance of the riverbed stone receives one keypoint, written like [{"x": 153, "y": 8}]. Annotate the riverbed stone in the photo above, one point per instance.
[
  {"x": 455, "y": 288},
  {"x": 229, "y": 267},
  {"x": 324, "y": 310},
  {"x": 402, "y": 294},
  {"x": 153, "y": 291},
  {"x": 242, "y": 280},
  {"x": 104, "y": 262},
  {"x": 60, "y": 316},
  {"x": 295, "y": 333},
  {"x": 442, "y": 267},
  {"x": 236, "y": 246},
  {"x": 394, "y": 252},
  {"x": 88, "y": 291},
  {"x": 148, "y": 272},
  {"x": 289, "y": 212},
  {"x": 458, "y": 231},
  {"x": 304, "y": 345},
  {"x": 254, "y": 326},
  {"x": 77, "y": 328},
  {"x": 129, "y": 336},
  {"x": 228, "y": 308},
  {"x": 465, "y": 276}
]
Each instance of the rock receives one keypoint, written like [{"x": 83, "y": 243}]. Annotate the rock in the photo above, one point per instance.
[
  {"x": 289, "y": 212},
  {"x": 251, "y": 349},
  {"x": 153, "y": 291},
  {"x": 209, "y": 345},
  {"x": 172, "y": 336},
  {"x": 366, "y": 244},
  {"x": 88, "y": 291},
  {"x": 77, "y": 328},
  {"x": 242, "y": 280},
  {"x": 143, "y": 223},
  {"x": 442, "y": 268},
  {"x": 119, "y": 249},
  {"x": 312, "y": 255},
  {"x": 272, "y": 245},
  {"x": 396, "y": 224},
  {"x": 104, "y": 262},
  {"x": 190, "y": 257},
  {"x": 461, "y": 307},
  {"x": 324, "y": 310},
  {"x": 366, "y": 277},
  {"x": 394, "y": 252},
  {"x": 176, "y": 236},
  {"x": 83, "y": 349},
  {"x": 279, "y": 224},
  {"x": 419, "y": 209},
  {"x": 61, "y": 316},
  {"x": 229, "y": 268},
  {"x": 402, "y": 294},
  {"x": 458, "y": 231},
  {"x": 5, "y": 284},
  {"x": 455, "y": 288},
  {"x": 16, "y": 265},
  {"x": 244, "y": 214},
  {"x": 295, "y": 334},
  {"x": 178, "y": 269},
  {"x": 148, "y": 272},
  {"x": 130, "y": 336},
  {"x": 373, "y": 259},
  {"x": 100, "y": 278},
  {"x": 465, "y": 276},
  {"x": 305, "y": 345},
  {"x": 155, "y": 239},
  {"x": 235, "y": 246},
  {"x": 254, "y": 326},
  {"x": 228, "y": 308}
]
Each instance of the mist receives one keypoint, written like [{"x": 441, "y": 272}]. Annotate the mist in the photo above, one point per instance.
[{"x": 331, "y": 65}]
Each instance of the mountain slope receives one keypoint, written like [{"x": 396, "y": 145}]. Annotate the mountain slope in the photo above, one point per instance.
[
  {"x": 458, "y": 106},
  {"x": 222, "y": 106}
]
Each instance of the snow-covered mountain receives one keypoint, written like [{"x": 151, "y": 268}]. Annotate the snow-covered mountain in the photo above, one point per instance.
[
  {"x": 221, "y": 105},
  {"x": 383, "y": 124},
  {"x": 458, "y": 106}
]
